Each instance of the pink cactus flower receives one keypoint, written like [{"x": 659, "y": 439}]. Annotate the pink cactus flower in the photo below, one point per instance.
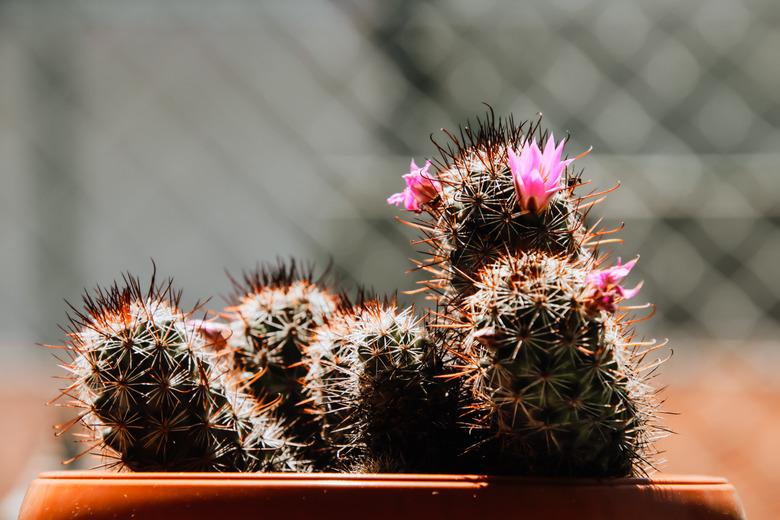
[
  {"x": 537, "y": 174},
  {"x": 606, "y": 287},
  {"x": 421, "y": 188},
  {"x": 216, "y": 333}
]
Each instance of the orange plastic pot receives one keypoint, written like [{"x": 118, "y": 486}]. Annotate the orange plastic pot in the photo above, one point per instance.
[{"x": 72, "y": 495}]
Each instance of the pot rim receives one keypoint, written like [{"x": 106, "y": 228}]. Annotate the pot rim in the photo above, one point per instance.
[{"x": 313, "y": 478}]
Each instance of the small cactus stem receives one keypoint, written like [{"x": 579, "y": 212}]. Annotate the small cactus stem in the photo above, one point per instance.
[
  {"x": 556, "y": 378},
  {"x": 377, "y": 379},
  {"x": 152, "y": 397},
  {"x": 274, "y": 311},
  {"x": 500, "y": 189}
]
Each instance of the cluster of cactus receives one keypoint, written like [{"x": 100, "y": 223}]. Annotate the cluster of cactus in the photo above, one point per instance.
[
  {"x": 552, "y": 374},
  {"x": 527, "y": 366}
]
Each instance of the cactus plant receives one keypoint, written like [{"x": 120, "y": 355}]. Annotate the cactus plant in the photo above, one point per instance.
[
  {"x": 324, "y": 365},
  {"x": 551, "y": 370},
  {"x": 276, "y": 308},
  {"x": 275, "y": 311},
  {"x": 494, "y": 191},
  {"x": 528, "y": 365},
  {"x": 152, "y": 397},
  {"x": 554, "y": 371},
  {"x": 382, "y": 388}
]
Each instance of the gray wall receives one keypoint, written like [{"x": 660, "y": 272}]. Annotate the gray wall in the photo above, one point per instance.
[{"x": 211, "y": 135}]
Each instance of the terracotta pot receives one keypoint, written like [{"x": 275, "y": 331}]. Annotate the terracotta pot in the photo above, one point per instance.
[{"x": 54, "y": 496}]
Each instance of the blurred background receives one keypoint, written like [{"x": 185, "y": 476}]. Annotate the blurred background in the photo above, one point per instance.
[{"x": 213, "y": 135}]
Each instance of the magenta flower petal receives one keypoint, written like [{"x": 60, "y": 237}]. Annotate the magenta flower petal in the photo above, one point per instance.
[
  {"x": 215, "y": 332},
  {"x": 550, "y": 148},
  {"x": 515, "y": 166},
  {"x": 421, "y": 188},
  {"x": 605, "y": 285},
  {"x": 630, "y": 293},
  {"x": 396, "y": 199},
  {"x": 536, "y": 173},
  {"x": 621, "y": 271}
]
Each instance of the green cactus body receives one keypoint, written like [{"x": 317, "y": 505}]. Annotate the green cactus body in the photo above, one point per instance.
[
  {"x": 326, "y": 368},
  {"x": 476, "y": 217},
  {"x": 271, "y": 326},
  {"x": 153, "y": 398},
  {"x": 388, "y": 406},
  {"x": 555, "y": 379},
  {"x": 478, "y": 221}
]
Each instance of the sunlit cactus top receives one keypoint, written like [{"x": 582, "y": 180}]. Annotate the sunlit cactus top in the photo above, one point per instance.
[{"x": 498, "y": 187}]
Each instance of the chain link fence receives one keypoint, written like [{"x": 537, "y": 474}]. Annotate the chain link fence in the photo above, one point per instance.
[{"x": 211, "y": 135}]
